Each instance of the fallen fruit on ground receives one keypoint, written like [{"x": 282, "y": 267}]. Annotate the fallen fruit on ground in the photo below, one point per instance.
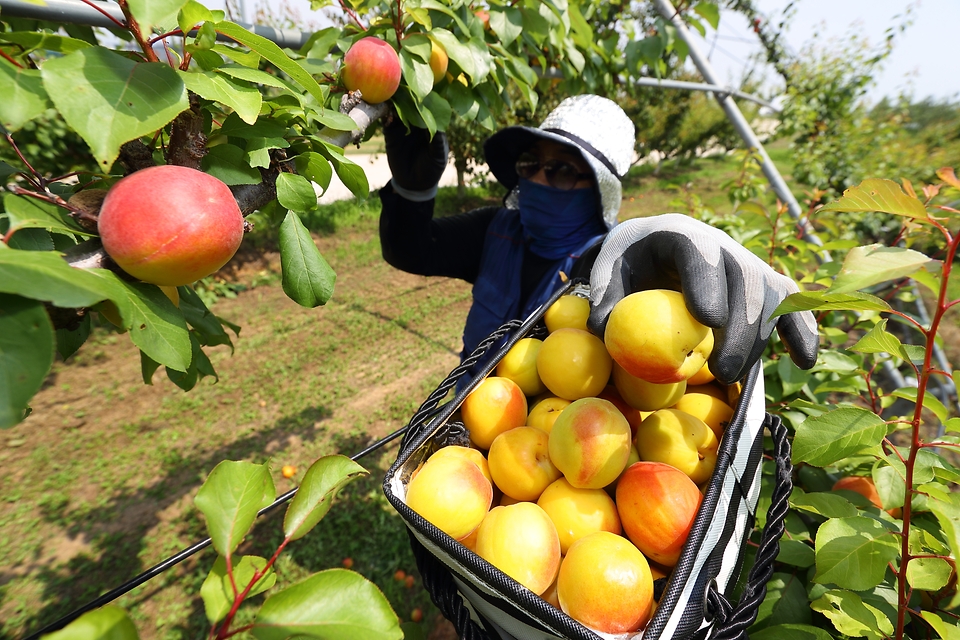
[
  {"x": 653, "y": 336},
  {"x": 288, "y": 471},
  {"x": 520, "y": 463},
  {"x": 372, "y": 67},
  {"x": 520, "y": 365},
  {"x": 681, "y": 440},
  {"x": 657, "y": 504},
  {"x": 495, "y": 406},
  {"x": 605, "y": 583},
  {"x": 590, "y": 443},
  {"x": 574, "y": 364},
  {"x": 577, "y": 513},
  {"x": 521, "y": 541},
  {"x": 452, "y": 494},
  {"x": 170, "y": 225}
]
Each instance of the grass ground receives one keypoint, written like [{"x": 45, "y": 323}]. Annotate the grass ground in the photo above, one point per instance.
[{"x": 99, "y": 481}]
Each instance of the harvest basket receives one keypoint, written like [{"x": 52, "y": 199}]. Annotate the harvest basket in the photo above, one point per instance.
[{"x": 694, "y": 600}]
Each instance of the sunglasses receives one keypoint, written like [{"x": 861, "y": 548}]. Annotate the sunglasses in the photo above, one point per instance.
[{"x": 559, "y": 174}]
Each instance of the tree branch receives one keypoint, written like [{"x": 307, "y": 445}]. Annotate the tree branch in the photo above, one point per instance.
[
  {"x": 135, "y": 155},
  {"x": 188, "y": 143}
]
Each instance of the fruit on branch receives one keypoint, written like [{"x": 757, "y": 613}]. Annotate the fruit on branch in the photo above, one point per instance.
[
  {"x": 372, "y": 67},
  {"x": 653, "y": 336},
  {"x": 590, "y": 443},
  {"x": 170, "y": 225},
  {"x": 606, "y": 584},
  {"x": 438, "y": 61},
  {"x": 657, "y": 504}
]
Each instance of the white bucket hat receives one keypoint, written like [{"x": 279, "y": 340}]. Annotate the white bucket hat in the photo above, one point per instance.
[{"x": 593, "y": 125}]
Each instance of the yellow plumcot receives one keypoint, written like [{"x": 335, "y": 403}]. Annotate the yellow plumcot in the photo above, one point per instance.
[
  {"x": 494, "y": 406},
  {"x": 590, "y": 443},
  {"x": 643, "y": 395},
  {"x": 438, "y": 61},
  {"x": 657, "y": 504},
  {"x": 171, "y": 293},
  {"x": 578, "y": 512},
  {"x": 545, "y": 412},
  {"x": 712, "y": 410},
  {"x": 574, "y": 364},
  {"x": 451, "y": 493},
  {"x": 521, "y": 541},
  {"x": 550, "y": 595},
  {"x": 633, "y": 416},
  {"x": 605, "y": 583},
  {"x": 520, "y": 463},
  {"x": 473, "y": 455},
  {"x": 704, "y": 376},
  {"x": 711, "y": 389},
  {"x": 569, "y": 311},
  {"x": 520, "y": 365},
  {"x": 634, "y": 457},
  {"x": 653, "y": 336},
  {"x": 680, "y": 440}
]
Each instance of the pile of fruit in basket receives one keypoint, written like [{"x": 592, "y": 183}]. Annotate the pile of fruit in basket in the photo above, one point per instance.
[{"x": 589, "y": 459}]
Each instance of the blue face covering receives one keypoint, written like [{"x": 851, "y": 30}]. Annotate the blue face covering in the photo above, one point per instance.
[{"x": 557, "y": 222}]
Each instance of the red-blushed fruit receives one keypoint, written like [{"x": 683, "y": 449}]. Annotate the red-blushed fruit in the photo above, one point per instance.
[
  {"x": 408, "y": 582},
  {"x": 494, "y": 406},
  {"x": 347, "y": 563},
  {"x": 288, "y": 471},
  {"x": 400, "y": 575},
  {"x": 521, "y": 541},
  {"x": 657, "y": 504},
  {"x": 865, "y": 487},
  {"x": 372, "y": 67},
  {"x": 170, "y": 225},
  {"x": 416, "y": 615},
  {"x": 590, "y": 443}
]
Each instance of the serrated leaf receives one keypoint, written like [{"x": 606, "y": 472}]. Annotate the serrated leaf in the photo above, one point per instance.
[
  {"x": 416, "y": 73},
  {"x": 46, "y": 276},
  {"x": 315, "y": 168},
  {"x": 230, "y": 498},
  {"x": 109, "y": 622},
  {"x": 507, "y": 23},
  {"x": 150, "y": 13},
  {"x": 790, "y": 632},
  {"x": 822, "y": 440},
  {"x": 872, "y": 264},
  {"x": 875, "y": 194},
  {"x": 24, "y": 97},
  {"x": 227, "y": 163},
  {"x": 335, "y": 604},
  {"x": 26, "y": 354},
  {"x": 294, "y": 192},
  {"x": 31, "y": 240},
  {"x": 211, "y": 85},
  {"x": 853, "y": 553},
  {"x": 797, "y": 554},
  {"x": 852, "y": 616},
  {"x": 319, "y": 486},
  {"x": 307, "y": 278},
  {"x": 930, "y": 401},
  {"x": 244, "y": 571},
  {"x": 109, "y": 99},
  {"x": 823, "y": 301},
  {"x": 30, "y": 213},
  {"x": 274, "y": 55},
  {"x": 828, "y": 505}
]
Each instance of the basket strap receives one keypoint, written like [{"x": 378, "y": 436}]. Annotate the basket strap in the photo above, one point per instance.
[
  {"x": 438, "y": 581},
  {"x": 732, "y": 622}
]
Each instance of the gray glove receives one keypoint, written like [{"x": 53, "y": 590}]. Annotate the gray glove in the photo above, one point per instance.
[
  {"x": 416, "y": 161},
  {"x": 724, "y": 286}
]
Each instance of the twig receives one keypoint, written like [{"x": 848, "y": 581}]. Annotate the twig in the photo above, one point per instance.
[
  {"x": 96, "y": 6},
  {"x": 350, "y": 12},
  {"x": 10, "y": 60},
  {"x": 134, "y": 28}
]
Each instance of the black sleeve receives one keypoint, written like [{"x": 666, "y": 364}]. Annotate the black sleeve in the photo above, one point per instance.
[{"x": 412, "y": 240}]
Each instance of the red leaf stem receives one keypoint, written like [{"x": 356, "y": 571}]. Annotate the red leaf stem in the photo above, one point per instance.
[
  {"x": 94, "y": 5},
  {"x": 350, "y": 12}
]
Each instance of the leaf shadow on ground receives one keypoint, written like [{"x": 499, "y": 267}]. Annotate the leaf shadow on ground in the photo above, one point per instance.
[{"x": 113, "y": 556}]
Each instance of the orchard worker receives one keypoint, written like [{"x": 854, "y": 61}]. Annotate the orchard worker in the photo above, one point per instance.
[{"x": 564, "y": 190}]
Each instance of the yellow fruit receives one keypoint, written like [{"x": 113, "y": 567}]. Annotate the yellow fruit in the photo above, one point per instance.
[
  {"x": 473, "y": 455},
  {"x": 520, "y": 365},
  {"x": 521, "y": 541},
  {"x": 715, "y": 412},
  {"x": 680, "y": 440},
  {"x": 544, "y": 413},
  {"x": 643, "y": 395},
  {"x": 574, "y": 364},
  {"x": 578, "y": 512},
  {"x": 172, "y": 293},
  {"x": 568, "y": 311},
  {"x": 451, "y": 493},
  {"x": 495, "y": 406},
  {"x": 590, "y": 443},
  {"x": 520, "y": 463},
  {"x": 704, "y": 376}
]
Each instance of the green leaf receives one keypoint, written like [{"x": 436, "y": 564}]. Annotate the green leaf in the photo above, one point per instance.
[
  {"x": 458, "y": 52},
  {"x": 889, "y": 477},
  {"x": 258, "y": 150},
  {"x": 320, "y": 485},
  {"x": 109, "y": 99},
  {"x": 946, "y": 630},
  {"x": 945, "y": 506},
  {"x": 156, "y": 326},
  {"x": 233, "y": 126},
  {"x": 26, "y": 354},
  {"x": 46, "y": 276},
  {"x": 244, "y": 572},
  {"x": 315, "y": 168},
  {"x": 928, "y": 574},
  {"x": 295, "y": 193},
  {"x": 69, "y": 341},
  {"x": 148, "y": 367},
  {"x": 246, "y": 101},
  {"x": 193, "y": 13},
  {"x": 31, "y": 240},
  {"x": 507, "y": 23},
  {"x": 853, "y": 553},
  {"x": 216, "y": 601},
  {"x": 828, "y": 505},
  {"x": 930, "y": 401},
  {"x": 440, "y": 109},
  {"x": 872, "y": 264},
  {"x": 150, "y": 13},
  {"x": 335, "y": 604},
  {"x": 418, "y": 45},
  {"x": 203, "y": 321},
  {"x": 31, "y": 41},
  {"x": 417, "y": 73},
  {"x": 823, "y": 301},
  {"x": 24, "y": 97},
  {"x": 852, "y": 616},
  {"x": 350, "y": 173},
  {"x": 822, "y": 440},
  {"x": 796, "y": 553},
  {"x": 785, "y": 602},
  {"x": 884, "y": 196},
  {"x": 274, "y": 55},
  {"x": 792, "y": 377},
  {"x": 230, "y": 498},
  {"x": 109, "y": 622},
  {"x": 790, "y": 632},
  {"x": 227, "y": 163},
  {"x": 709, "y": 12},
  {"x": 29, "y": 213},
  {"x": 879, "y": 340},
  {"x": 307, "y": 278}
]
